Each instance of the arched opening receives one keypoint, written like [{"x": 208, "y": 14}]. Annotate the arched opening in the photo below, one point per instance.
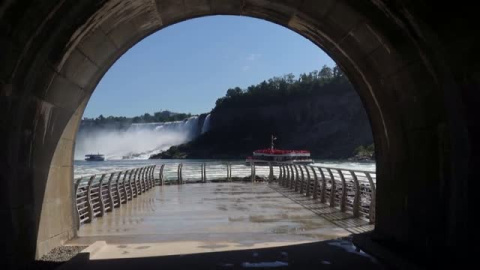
[
  {"x": 57, "y": 53},
  {"x": 325, "y": 117}
]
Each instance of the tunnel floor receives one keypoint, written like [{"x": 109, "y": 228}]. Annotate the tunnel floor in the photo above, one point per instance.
[{"x": 198, "y": 218}]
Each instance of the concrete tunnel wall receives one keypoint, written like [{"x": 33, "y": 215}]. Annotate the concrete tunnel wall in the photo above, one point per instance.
[{"x": 419, "y": 100}]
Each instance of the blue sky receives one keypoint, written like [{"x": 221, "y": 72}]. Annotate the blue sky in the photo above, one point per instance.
[{"x": 186, "y": 67}]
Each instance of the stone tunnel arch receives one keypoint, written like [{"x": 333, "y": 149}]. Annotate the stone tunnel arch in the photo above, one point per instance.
[{"x": 55, "y": 52}]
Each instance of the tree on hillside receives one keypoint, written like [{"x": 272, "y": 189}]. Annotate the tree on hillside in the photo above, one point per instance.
[
  {"x": 281, "y": 89},
  {"x": 326, "y": 73}
]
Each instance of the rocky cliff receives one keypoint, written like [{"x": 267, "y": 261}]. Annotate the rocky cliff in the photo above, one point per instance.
[{"x": 330, "y": 123}]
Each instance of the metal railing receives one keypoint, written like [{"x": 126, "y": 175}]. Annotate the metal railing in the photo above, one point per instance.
[
  {"x": 349, "y": 190},
  {"x": 100, "y": 193},
  {"x": 217, "y": 171}
]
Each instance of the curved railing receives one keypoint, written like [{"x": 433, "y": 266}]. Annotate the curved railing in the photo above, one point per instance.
[
  {"x": 212, "y": 171},
  {"x": 351, "y": 191},
  {"x": 100, "y": 193}
]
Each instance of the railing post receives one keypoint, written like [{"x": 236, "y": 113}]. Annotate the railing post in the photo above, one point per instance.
[
  {"x": 160, "y": 175},
  {"x": 141, "y": 180},
  {"x": 89, "y": 198},
  {"x": 124, "y": 186},
  {"x": 287, "y": 179},
  {"x": 252, "y": 168},
  {"x": 315, "y": 184},
  {"x": 229, "y": 171},
  {"x": 309, "y": 180},
  {"x": 145, "y": 176},
  {"x": 205, "y": 173},
  {"x": 110, "y": 193},
  {"x": 146, "y": 180},
  {"x": 289, "y": 176},
  {"x": 343, "y": 199},
  {"x": 117, "y": 189},
  {"x": 152, "y": 176},
  {"x": 133, "y": 183},
  {"x": 373, "y": 196},
  {"x": 356, "y": 200},
  {"x": 227, "y": 174},
  {"x": 139, "y": 184},
  {"x": 333, "y": 188},
  {"x": 148, "y": 177},
  {"x": 77, "y": 185},
  {"x": 100, "y": 195},
  {"x": 324, "y": 186},
  {"x": 280, "y": 175},
  {"x": 130, "y": 189},
  {"x": 137, "y": 177},
  {"x": 302, "y": 180},
  {"x": 138, "y": 181},
  {"x": 270, "y": 175},
  {"x": 146, "y": 173},
  {"x": 179, "y": 174},
  {"x": 297, "y": 177},
  {"x": 292, "y": 177}
]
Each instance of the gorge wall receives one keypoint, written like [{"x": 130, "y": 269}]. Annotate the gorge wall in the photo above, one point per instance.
[{"x": 330, "y": 123}]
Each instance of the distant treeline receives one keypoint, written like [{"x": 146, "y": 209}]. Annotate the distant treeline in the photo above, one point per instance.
[
  {"x": 162, "y": 116},
  {"x": 283, "y": 89}
]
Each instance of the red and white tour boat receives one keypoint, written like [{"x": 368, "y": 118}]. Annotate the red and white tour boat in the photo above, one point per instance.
[{"x": 278, "y": 156}]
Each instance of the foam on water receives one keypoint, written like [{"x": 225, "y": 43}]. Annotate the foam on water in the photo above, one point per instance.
[{"x": 139, "y": 141}]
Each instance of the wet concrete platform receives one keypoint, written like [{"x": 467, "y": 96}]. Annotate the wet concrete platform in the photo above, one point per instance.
[{"x": 211, "y": 217}]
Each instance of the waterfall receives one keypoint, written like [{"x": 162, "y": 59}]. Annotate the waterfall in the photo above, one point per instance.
[
  {"x": 206, "y": 124},
  {"x": 138, "y": 141}
]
